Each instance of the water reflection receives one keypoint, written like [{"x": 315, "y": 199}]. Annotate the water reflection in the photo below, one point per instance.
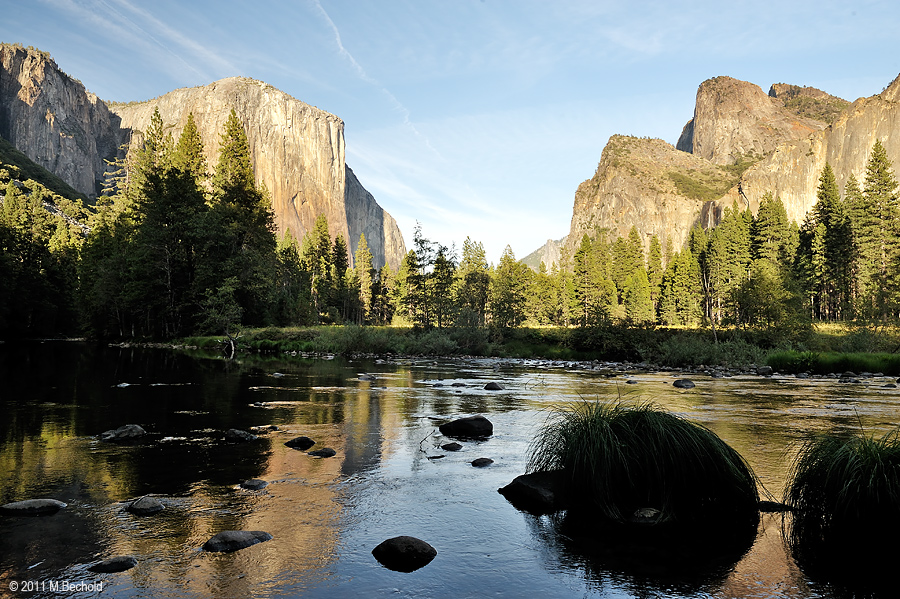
[{"x": 327, "y": 514}]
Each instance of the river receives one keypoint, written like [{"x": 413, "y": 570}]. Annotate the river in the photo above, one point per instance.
[{"x": 327, "y": 514}]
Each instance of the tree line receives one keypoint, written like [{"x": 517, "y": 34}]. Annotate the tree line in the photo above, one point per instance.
[{"x": 174, "y": 248}]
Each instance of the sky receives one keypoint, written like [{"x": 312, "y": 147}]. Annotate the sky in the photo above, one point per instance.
[{"x": 472, "y": 118}]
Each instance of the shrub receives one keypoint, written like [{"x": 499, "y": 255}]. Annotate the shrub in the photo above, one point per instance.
[{"x": 622, "y": 459}]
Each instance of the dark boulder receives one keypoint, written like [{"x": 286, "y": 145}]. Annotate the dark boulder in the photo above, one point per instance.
[
  {"x": 301, "y": 443},
  {"x": 145, "y": 506},
  {"x": 254, "y": 484},
  {"x": 233, "y": 540},
  {"x": 765, "y": 370},
  {"x": 33, "y": 507},
  {"x": 114, "y": 564},
  {"x": 451, "y": 446},
  {"x": 234, "y": 435},
  {"x": 482, "y": 462},
  {"x": 538, "y": 492},
  {"x": 683, "y": 384},
  {"x": 404, "y": 554},
  {"x": 325, "y": 452},
  {"x": 492, "y": 386},
  {"x": 473, "y": 427},
  {"x": 124, "y": 434},
  {"x": 367, "y": 377}
]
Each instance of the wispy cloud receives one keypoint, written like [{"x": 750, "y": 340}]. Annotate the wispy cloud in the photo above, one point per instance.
[
  {"x": 147, "y": 35},
  {"x": 364, "y": 76}
]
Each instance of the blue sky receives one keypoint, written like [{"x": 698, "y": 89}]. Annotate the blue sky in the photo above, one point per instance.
[{"x": 474, "y": 118}]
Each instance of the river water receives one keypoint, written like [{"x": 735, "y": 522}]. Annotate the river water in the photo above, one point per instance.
[{"x": 327, "y": 514}]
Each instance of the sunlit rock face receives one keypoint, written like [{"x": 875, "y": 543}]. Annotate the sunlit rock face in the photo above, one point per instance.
[
  {"x": 734, "y": 121},
  {"x": 792, "y": 171},
  {"x": 53, "y": 119},
  {"x": 633, "y": 186},
  {"x": 297, "y": 150}
]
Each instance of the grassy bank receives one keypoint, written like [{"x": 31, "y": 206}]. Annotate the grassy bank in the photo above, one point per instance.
[{"x": 829, "y": 348}]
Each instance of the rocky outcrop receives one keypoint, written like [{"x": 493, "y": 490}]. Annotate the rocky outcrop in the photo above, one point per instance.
[
  {"x": 637, "y": 183},
  {"x": 809, "y": 102},
  {"x": 297, "y": 150},
  {"x": 54, "y": 120},
  {"x": 735, "y": 120}
]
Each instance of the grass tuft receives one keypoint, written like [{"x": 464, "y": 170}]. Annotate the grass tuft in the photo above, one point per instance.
[
  {"x": 845, "y": 492},
  {"x": 622, "y": 459}
]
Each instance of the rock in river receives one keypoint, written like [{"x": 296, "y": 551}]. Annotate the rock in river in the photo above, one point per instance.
[
  {"x": 683, "y": 384},
  {"x": 33, "y": 507},
  {"x": 145, "y": 506},
  {"x": 404, "y": 554},
  {"x": 301, "y": 443},
  {"x": 114, "y": 564},
  {"x": 238, "y": 436},
  {"x": 492, "y": 386},
  {"x": 451, "y": 446},
  {"x": 325, "y": 452},
  {"x": 475, "y": 427},
  {"x": 482, "y": 462},
  {"x": 254, "y": 484},
  {"x": 232, "y": 540},
  {"x": 123, "y": 434},
  {"x": 538, "y": 492}
]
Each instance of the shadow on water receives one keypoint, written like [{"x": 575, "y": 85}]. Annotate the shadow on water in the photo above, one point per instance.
[{"x": 644, "y": 561}]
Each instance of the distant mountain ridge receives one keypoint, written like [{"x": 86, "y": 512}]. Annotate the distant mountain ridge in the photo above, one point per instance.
[{"x": 297, "y": 151}]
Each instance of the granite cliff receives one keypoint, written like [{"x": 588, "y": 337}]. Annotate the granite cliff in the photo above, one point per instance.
[
  {"x": 740, "y": 144},
  {"x": 54, "y": 120},
  {"x": 645, "y": 183},
  {"x": 297, "y": 150}
]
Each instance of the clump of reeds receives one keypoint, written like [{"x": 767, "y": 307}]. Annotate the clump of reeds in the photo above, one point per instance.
[
  {"x": 845, "y": 493},
  {"x": 622, "y": 460}
]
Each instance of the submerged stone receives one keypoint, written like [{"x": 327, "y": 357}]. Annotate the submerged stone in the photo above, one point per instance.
[
  {"x": 123, "y": 434},
  {"x": 33, "y": 507},
  {"x": 233, "y": 540},
  {"x": 114, "y": 564},
  {"x": 482, "y": 462},
  {"x": 404, "y": 554},
  {"x": 451, "y": 446},
  {"x": 235, "y": 435},
  {"x": 492, "y": 386},
  {"x": 684, "y": 384},
  {"x": 254, "y": 484}
]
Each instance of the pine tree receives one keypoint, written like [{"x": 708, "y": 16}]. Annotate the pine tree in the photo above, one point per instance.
[
  {"x": 638, "y": 306},
  {"x": 366, "y": 276},
  {"x": 770, "y": 232},
  {"x": 472, "y": 285},
  {"x": 188, "y": 154},
  {"x": 879, "y": 230},
  {"x": 442, "y": 277},
  {"x": 654, "y": 270},
  {"x": 508, "y": 289}
]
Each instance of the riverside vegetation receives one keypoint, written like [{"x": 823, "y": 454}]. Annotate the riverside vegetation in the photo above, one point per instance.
[{"x": 172, "y": 251}]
